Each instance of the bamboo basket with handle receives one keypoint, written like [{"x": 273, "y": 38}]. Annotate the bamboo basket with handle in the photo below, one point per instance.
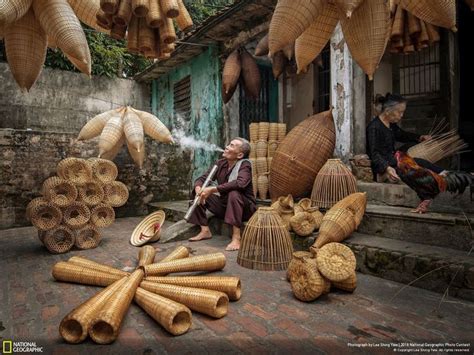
[
  {"x": 311, "y": 42},
  {"x": 441, "y": 13},
  {"x": 25, "y": 48},
  {"x": 290, "y": 19},
  {"x": 59, "y": 191},
  {"x": 231, "y": 72},
  {"x": 13, "y": 10},
  {"x": 184, "y": 20},
  {"x": 87, "y": 237},
  {"x": 59, "y": 240},
  {"x": 153, "y": 127},
  {"x": 208, "y": 262},
  {"x": 367, "y": 33},
  {"x": 95, "y": 125},
  {"x": 336, "y": 262}
]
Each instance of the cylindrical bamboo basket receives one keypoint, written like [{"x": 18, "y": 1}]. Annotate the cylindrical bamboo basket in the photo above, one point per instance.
[
  {"x": 306, "y": 281},
  {"x": 87, "y": 237},
  {"x": 124, "y": 13},
  {"x": 75, "y": 326},
  {"x": 263, "y": 131},
  {"x": 59, "y": 191},
  {"x": 337, "y": 225},
  {"x": 83, "y": 262},
  {"x": 69, "y": 272},
  {"x": 132, "y": 35},
  {"x": 76, "y": 170},
  {"x": 303, "y": 223},
  {"x": 333, "y": 182},
  {"x": 91, "y": 193},
  {"x": 266, "y": 242},
  {"x": 102, "y": 215},
  {"x": 59, "y": 240},
  {"x": 146, "y": 255},
  {"x": 281, "y": 131},
  {"x": 398, "y": 25},
  {"x": 208, "y": 262},
  {"x": 170, "y": 8},
  {"x": 154, "y": 17},
  {"x": 231, "y": 74},
  {"x": 273, "y": 132},
  {"x": 253, "y": 132},
  {"x": 296, "y": 260},
  {"x": 45, "y": 216},
  {"x": 349, "y": 285},
  {"x": 173, "y": 316},
  {"x": 212, "y": 303},
  {"x": 167, "y": 32},
  {"x": 109, "y": 6},
  {"x": 140, "y": 7},
  {"x": 118, "y": 32},
  {"x": 184, "y": 20},
  {"x": 336, "y": 262},
  {"x": 104, "y": 170},
  {"x": 262, "y": 166},
  {"x": 76, "y": 215},
  {"x": 105, "y": 326},
  {"x": 34, "y": 203},
  {"x": 104, "y": 19},
  {"x": 262, "y": 183},
  {"x": 116, "y": 194}
]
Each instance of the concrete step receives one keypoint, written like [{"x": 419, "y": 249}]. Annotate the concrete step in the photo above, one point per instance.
[{"x": 402, "y": 195}]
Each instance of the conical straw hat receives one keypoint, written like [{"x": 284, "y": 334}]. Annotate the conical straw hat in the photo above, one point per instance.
[
  {"x": 149, "y": 229},
  {"x": 75, "y": 325},
  {"x": 212, "y": 303}
]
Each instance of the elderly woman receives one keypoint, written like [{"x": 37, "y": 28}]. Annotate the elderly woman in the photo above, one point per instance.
[{"x": 382, "y": 134}]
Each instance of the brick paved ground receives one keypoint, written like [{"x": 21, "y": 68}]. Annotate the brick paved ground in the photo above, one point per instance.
[{"x": 267, "y": 319}]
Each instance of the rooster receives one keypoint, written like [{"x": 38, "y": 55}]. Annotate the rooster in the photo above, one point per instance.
[{"x": 426, "y": 183}]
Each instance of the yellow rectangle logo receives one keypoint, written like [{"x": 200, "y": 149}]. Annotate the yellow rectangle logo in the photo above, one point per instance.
[{"x": 7, "y": 347}]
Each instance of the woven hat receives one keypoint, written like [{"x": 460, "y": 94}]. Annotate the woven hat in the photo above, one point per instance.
[{"x": 149, "y": 229}]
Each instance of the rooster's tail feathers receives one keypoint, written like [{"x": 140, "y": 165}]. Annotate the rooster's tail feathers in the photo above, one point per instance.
[{"x": 458, "y": 181}]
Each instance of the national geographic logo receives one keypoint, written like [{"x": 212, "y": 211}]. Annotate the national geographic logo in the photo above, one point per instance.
[{"x": 14, "y": 347}]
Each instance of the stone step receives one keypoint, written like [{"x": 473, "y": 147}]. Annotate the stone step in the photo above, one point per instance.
[{"x": 402, "y": 195}]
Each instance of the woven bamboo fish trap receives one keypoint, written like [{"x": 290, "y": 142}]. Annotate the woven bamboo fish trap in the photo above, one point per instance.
[
  {"x": 96, "y": 124},
  {"x": 87, "y": 237},
  {"x": 231, "y": 71},
  {"x": 60, "y": 23},
  {"x": 262, "y": 182},
  {"x": 433, "y": 33},
  {"x": 253, "y": 132},
  {"x": 11, "y": 11},
  {"x": 138, "y": 156},
  {"x": 281, "y": 131},
  {"x": 111, "y": 154},
  {"x": 337, "y": 225},
  {"x": 133, "y": 129},
  {"x": 146, "y": 37},
  {"x": 303, "y": 223},
  {"x": 116, "y": 194},
  {"x": 414, "y": 27},
  {"x": 124, "y": 13},
  {"x": 207, "y": 262},
  {"x": 209, "y": 302},
  {"x": 86, "y": 11},
  {"x": 104, "y": 20},
  {"x": 301, "y": 155},
  {"x": 347, "y": 7},
  {"x": 83, "y": 262},
  {"x": 367, "y": 33},
  {"x": 105, "y": 326},
  {"x": 262, "y": 47},
  {"x": 111, "y": 134},
  {"x": 140, "y": 8},
  {"x": 102, "y": 215},
  {"x": 255, "y": 185},
  {"x": 109, "y": 6},
  {"x": 289, "y": 51},
  {"x": 59, "y": 240},
  {"x": 284, "y": 203},
  {"x": 132, "y": 35},
  {"x": 25, "y": 48},
  {"x": 153, "y": 127},
  {"x": 439, "y": 12},
  {"x": 272, "y": 147},
  {"x": 149, "y": 229},
  {"x": 250, "y": 75},
  {"x": 317, "y": 215},
  {"x": 262, "y": 166},
  {"x": 74, "y": 326},
  {"x": 349, "y": 285},
  {"x": 76, "y": 215},
  {"x": 59, "y": 191},
  {"x": 230, "y": 285},
  {"x": 45, "y": 216},
  {"x": 184, "y": 20},
  {"x": 227, "y": 96},
  {"x": 333, "y": 182},
  {"x": 76, "y": 170},
  {"x": 303, "y": 205},
  {"x": 170, "y": 8},
  {"x": 273, "y": 132},
  {"x": 290, "y": 19},
  {"x": 263, "y": 131},
  {"x": 69, "y": 272},
  {"x": 356, "y": 203},
  {"x": 266, "y": 242},
  {"x": 262, "y": 149},
  {"x": 34, "y": 203},
  {"x": 91, "y": 193},
  {"x": 439, "y": 147},
  {"x": 297, "y": 259},
  {"x": 146, "y": 255},
  {"x": 423, "y": 38},
  {"x": 398, "y": 24},
  {"x": 336, "y": 262},
  {"x": 167, "y": 32},
  {"x": 279, "y": 63},
  {"x": 306, "y": 281},
  {"x": 171, "y": 315},
  {"x": 311, "y": 42},
  {"x": 104, "y": 170},
  {"x": 154, "y": 17},
  {"x": 269, "y": 162}
]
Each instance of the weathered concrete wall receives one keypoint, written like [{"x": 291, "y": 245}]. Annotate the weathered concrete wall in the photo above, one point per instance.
[
  {"x": 63, "y": 101},
  {"x": 299, "y": 96},
  {"x": 30, "y": 157},
  {"x": 207, "y": 120}
]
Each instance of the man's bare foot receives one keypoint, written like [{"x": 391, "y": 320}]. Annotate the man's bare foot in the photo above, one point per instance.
[
  {"x": 233, "y": 245},
  {"x": 203, "y": 235}
]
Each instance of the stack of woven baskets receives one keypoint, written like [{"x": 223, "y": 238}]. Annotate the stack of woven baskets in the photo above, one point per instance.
[
  {"x": 264, "y": 140},
  {"x": 76, "y": 204},
  {"x": 167, "y": 299}
]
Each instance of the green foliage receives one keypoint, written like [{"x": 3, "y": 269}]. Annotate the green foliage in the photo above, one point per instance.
[{"x": 202, "y": 9}]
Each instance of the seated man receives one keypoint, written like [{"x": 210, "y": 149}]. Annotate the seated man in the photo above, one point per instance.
[{"x": 236, "y": 201}]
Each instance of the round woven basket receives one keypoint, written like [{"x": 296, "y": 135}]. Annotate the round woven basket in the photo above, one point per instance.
[
  {"x": 76, "y": 170},
  {"x": 103, "y": 169},
  {"x": 91, "y": 193},
  {"x": 59, "y": 191},
  {"x": 306, "y": 282},
  {"x": 45, "y": 216},
  {"x": 116, "y": 194},
  {"x": 337, "y": 225},
  {"x": 263, "y": 131},
  {"x": 59, "y": 240},
  {"x": 261, "y": 149},
  {"x": 37, "y": 201},
  {"x": 296, "y": 260},
  {"x": 333, "y": 182},
  {"x": 102, "y": 215},
  {"x": 336, "y": 262},
  {"x": 88, "y": 237},
  {"x": 349, "y": 284},
  {"x": 303, "y": 223},
  {"x": 266, "y": 242},
  {"x": 149, "y": 229},
  {"x": 76, "y": 215}
]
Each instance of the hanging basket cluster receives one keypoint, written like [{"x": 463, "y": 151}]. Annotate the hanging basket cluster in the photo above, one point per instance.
[
  {"x": 240, "y": 65},
  {"x": 281, "y": 60},
  {"x": 169, "y": 300},
  {"x": 76, "y": 204},
  {"x": 125, "y": 125}
]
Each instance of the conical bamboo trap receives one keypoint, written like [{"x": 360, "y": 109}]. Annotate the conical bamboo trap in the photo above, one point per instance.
[
  {"x": 77, "y": 201},
  {"x": 125, "y": 124},
  {"x": 165, "y": 299},
  {"x": 336, "y": 225},
  {"x": 266, "y": 242},
  {"x": 333, "y": 182}
]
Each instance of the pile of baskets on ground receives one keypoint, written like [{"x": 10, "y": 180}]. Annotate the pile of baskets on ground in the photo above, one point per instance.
[
  {"x": 76, "y": 204},
  {"x": 167, "y": 299},
  {"x": 264, "y": 140}
]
